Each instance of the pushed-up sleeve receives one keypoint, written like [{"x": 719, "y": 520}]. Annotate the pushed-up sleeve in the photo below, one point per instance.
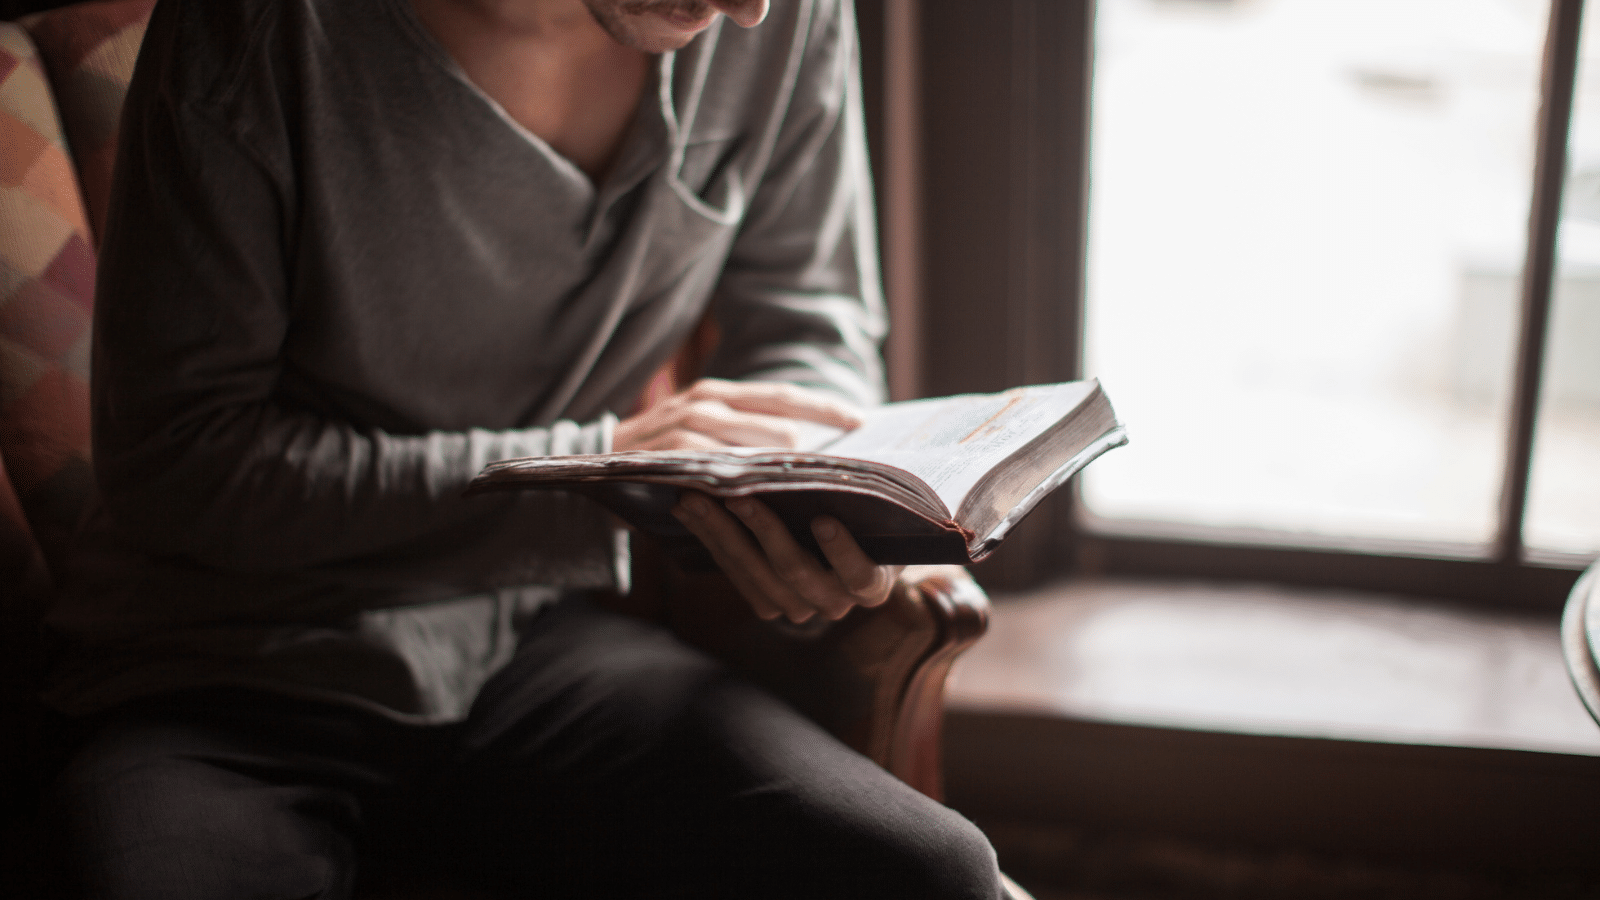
[
  {"x": 801, "y": 298},
  {"x": 197, "y": 456}
]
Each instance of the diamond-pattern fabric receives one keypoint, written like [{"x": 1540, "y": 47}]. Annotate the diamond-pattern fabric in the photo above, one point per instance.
[
  {"x": 84, "y": 58},
  {"x": 63, "y": 76},
  {"x": 46, "y": 293},
  {"x": 89, "y": 50}
]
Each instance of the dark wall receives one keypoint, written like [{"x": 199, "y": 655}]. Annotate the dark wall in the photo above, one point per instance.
[
  {"x": 1005, "y": 119},
  {"x": 1005, "y": 106}
]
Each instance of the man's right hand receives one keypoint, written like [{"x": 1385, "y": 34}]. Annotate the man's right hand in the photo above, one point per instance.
[
  {"x": 713, "y": 414},
  {"x": 776, "y": 576}
]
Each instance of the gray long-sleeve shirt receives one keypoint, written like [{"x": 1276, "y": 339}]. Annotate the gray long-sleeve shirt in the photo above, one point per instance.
[{"x": 338, "y": 279}]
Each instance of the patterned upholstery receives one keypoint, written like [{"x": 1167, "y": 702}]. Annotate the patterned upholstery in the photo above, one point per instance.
[
  {"x": 45, "y": 270},
  {"x": 46, "y": 292},
  {"x": 82, "y": 56},
  {"x": 89, "y": 50}
]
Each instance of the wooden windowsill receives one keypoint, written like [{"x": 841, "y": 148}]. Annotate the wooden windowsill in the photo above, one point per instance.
[
  {"x": 1269, "y": 721},
  {"x": 1254, "y": 659}
]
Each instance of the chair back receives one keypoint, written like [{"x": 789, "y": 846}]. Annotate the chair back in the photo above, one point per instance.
[
  {"x": 63, "y": 76},
  {"x": 66, "y": 73}
]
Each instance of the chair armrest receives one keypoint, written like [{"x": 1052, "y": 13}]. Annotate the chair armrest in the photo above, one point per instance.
[{"x": 875, "y": 678}]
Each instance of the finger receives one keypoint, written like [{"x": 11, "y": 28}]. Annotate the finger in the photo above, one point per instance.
[
  {"x": 796, "y": 566},
  {"x": 784, "y": 400},
  {"x": 739, "y": 428},
  {"x": 740, "y": 559},
  {"x": 691, "y": 511},
  {"x": 717, "y": 425},
  {"x": 663, "y": 426},
  {"x": 654, "y": 429},
  {"x": 679, "y": 439},
  {"x": 867, "y": 582},
  {"x": 638, "y": 432}
]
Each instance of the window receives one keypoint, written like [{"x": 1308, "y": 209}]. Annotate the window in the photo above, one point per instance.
[
  {"x": 1307, "y": 231},
  {"x": 1307, "y": 220},
  {"x": 1303, "y": 225},
  {"x": 1564, "y": 494}
]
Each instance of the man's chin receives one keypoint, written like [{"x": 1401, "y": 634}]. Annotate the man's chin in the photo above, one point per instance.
[
  {"x": 654, "y": 29},
  {"x": 691, "y": 21},
  {"x": 658, "y": 40}
]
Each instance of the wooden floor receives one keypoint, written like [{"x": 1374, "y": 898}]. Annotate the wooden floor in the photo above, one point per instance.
[{"x": 1123, "y": 868}]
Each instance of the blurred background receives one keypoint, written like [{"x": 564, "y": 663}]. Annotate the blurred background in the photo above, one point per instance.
[{"x": 1307, "y": 223}]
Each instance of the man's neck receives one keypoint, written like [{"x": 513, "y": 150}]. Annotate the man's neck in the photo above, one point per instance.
[{"x": 551, "y": 66}]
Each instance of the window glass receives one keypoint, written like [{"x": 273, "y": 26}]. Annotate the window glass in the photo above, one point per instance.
[
  {"x": 1307, "y": 220},
  {"x": 1564, "y": 494}
]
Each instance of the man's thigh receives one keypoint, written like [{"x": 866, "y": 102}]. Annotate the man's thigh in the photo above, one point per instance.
[
  {"x": 219, "y": 794},
  {"x": 610, "y": 759}
]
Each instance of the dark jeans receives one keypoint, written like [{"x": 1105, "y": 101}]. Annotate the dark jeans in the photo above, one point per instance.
[{"x": 607, "y": 759}]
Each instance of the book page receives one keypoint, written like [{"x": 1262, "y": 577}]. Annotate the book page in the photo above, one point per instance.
[{"x": 952, "y": 442}]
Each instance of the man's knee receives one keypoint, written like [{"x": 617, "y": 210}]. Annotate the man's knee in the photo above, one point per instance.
[
  {"x": 963, "y": 864},
  {"x": 861, "y": 835},
  {"x": 941, "y": 856}
]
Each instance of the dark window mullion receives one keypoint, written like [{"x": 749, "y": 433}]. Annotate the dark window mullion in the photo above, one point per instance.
[{"x": 1538, "y": 271}]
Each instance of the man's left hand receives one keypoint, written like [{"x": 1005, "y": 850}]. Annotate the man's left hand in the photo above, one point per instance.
[{"x": 776, "y": 575}]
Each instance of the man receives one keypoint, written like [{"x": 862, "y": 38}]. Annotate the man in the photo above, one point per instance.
[{"x": 356, "y": 250}]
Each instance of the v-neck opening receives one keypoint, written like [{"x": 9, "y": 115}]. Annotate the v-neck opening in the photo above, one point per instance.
[
  {"x": 633, "y": 155},
  {"x": 645, "y": 143}
]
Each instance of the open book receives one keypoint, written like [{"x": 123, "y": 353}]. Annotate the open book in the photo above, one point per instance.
[{"x": 925, "y": 481}]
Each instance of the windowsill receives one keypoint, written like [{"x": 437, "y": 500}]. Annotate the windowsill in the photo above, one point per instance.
[{"x": 1250, "y": 659}]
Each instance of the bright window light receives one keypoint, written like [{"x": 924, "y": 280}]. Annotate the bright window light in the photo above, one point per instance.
[{"x": 1307, "y": 226}]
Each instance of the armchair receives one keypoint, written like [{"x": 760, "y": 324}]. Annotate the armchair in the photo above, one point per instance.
[{"x": 875, "y": 678}]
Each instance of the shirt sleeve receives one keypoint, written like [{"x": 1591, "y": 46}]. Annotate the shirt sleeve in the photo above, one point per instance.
[
  {"x": 198, "y": 457},
  {"x": 801, "y": 298}
]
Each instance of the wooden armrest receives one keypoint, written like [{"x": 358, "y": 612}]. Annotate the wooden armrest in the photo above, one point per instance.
[{"x": 875, "y": 678}]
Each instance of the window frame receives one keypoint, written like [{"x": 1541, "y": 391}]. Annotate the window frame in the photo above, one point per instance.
[{"x": 983, "y": 164}]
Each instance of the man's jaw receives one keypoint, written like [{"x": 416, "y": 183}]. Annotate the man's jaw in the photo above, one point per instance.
[
  {"x": 684, "y": 15},
  {"x": 656, "y": 26}
]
